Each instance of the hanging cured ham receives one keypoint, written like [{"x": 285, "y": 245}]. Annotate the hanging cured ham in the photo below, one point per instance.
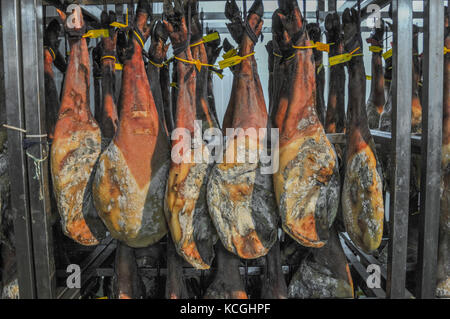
[
  {"x": 52, "y": 56},
  {"x": 335, "y": 118},
  {"x": 307, "y": 182},
  {"x": 443, "y": 266},
  {"x": 362, "y": 194},
  {"x": 186, "y": 209},
  {"x": 157, "y": 54},
  {"x": 240, "y": 195},
  {"x": 213, "y": 50},
  {"x": 76, "y": 144},
  {"x": 315, "y": 34},
  {"x": 129, "y": 183},
  {"x": 377, "y": 98},
  {"x": 108, "y": 117}
]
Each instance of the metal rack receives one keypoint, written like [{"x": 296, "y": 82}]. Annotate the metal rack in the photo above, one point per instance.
[{"x": 22, "y": 22}]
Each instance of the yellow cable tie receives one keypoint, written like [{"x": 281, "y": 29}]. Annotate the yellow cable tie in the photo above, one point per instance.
[
  {"x": 51, "y": 52},
  {"x": 119, "y": 66},
  {"x": 387, "y": 54},
  {"x": 98, "y": 33},
  {"x": 112, "y": 57},
  {"x": 375, "y": 49},
  {"x": 368, "y": 78},
  {"x": 174, "y": 85},
  {"x": 207, "y": 38},
  {"x": 139, "y": 38},
  {"x": 234, "y": 60},
  {"x": 120, "y": 25},
  {"x": 197, "y": 63},
  {"x": 446, "y": 50},
  {"x": 343, "y": 58},
  {"x": 277, "y": 55},
  {"x": 197, "y": 44},
  {"x": 156, "y": 64}
]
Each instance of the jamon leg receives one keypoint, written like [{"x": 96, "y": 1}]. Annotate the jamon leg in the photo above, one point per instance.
[
  {"x": 377, "y": 99},
  {"x": 129, "y": 183},
  {"x": 227, "y": 283},
  {"x": 213, "y": 49},
  {"x": 315, "y": 35},
  {"x": 324, "y": 273},
  {"x": 307, "y": 182},
  {"x": 186, "y": 212},
  {"x": 362, "y": 195},
  {"x": 335, "y": 118},
  {"x": 76, "y": 144},
  {"x": 51, "y": 54},
  {"x": 240, "y": 197},
  {"x": 157, "y": 54},
  {"x": 443, "y": 271}
]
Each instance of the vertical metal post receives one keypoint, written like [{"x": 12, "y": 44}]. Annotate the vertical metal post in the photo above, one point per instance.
[
  {"x": 400, "y": 148},
  {"x": 17, "y": 161},
  {"x": 332, "y": 6},
  {"x": 34, "y": 106},
  {"x": 433, "y": 89},
  {"x": 320, "y": 9}
]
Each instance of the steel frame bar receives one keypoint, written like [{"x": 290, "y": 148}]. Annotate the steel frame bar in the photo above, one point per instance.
[
  {"x": 14, "y": 101},
  {"x": 433, "y": 90},
  {"x": 400, "y": 148},
  {"x": 34, "y": 111}
]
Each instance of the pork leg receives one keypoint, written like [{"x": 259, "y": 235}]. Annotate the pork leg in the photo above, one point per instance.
[
  {"x": 76, "y": 145},
  {"x": 240, "y": 196},
  {"x": 307, "y": 182},
  {"x": 186, "y": 212},
  {"x": 129, "y": 184},
  {"x": 335, "y": 118},
  {"x": 362, "y": 194},
  {"x": 377, "y": 99}
]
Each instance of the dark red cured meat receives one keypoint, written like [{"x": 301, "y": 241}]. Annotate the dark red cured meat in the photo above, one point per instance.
[
  {"x": 307, "y": 182},
  {"x": 129, "y": 183}
]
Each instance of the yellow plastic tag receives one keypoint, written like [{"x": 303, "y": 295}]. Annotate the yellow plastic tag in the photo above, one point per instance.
[
  {"x": 99, "y": 33},
  {"x": 375, "y": 49},
  {"x": 230, "y": 54},
  {"x": 234, "y": 60},
  {"x": 446, "y": 50},
  {"x": 368, "y": 78},
  {"x": 320, "y": 68},
  {"x": 119, "y": 66},
  {"x": 324, "y": 47},
  {"x": 343, "y": 58},
  {"x": 211, "y": 37},
  {"x": 338, "y": 59},
  {"x": 387, "y": 54},
  {"x": 220, "y": 75},
  {"x": 103, "y": 298}
]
